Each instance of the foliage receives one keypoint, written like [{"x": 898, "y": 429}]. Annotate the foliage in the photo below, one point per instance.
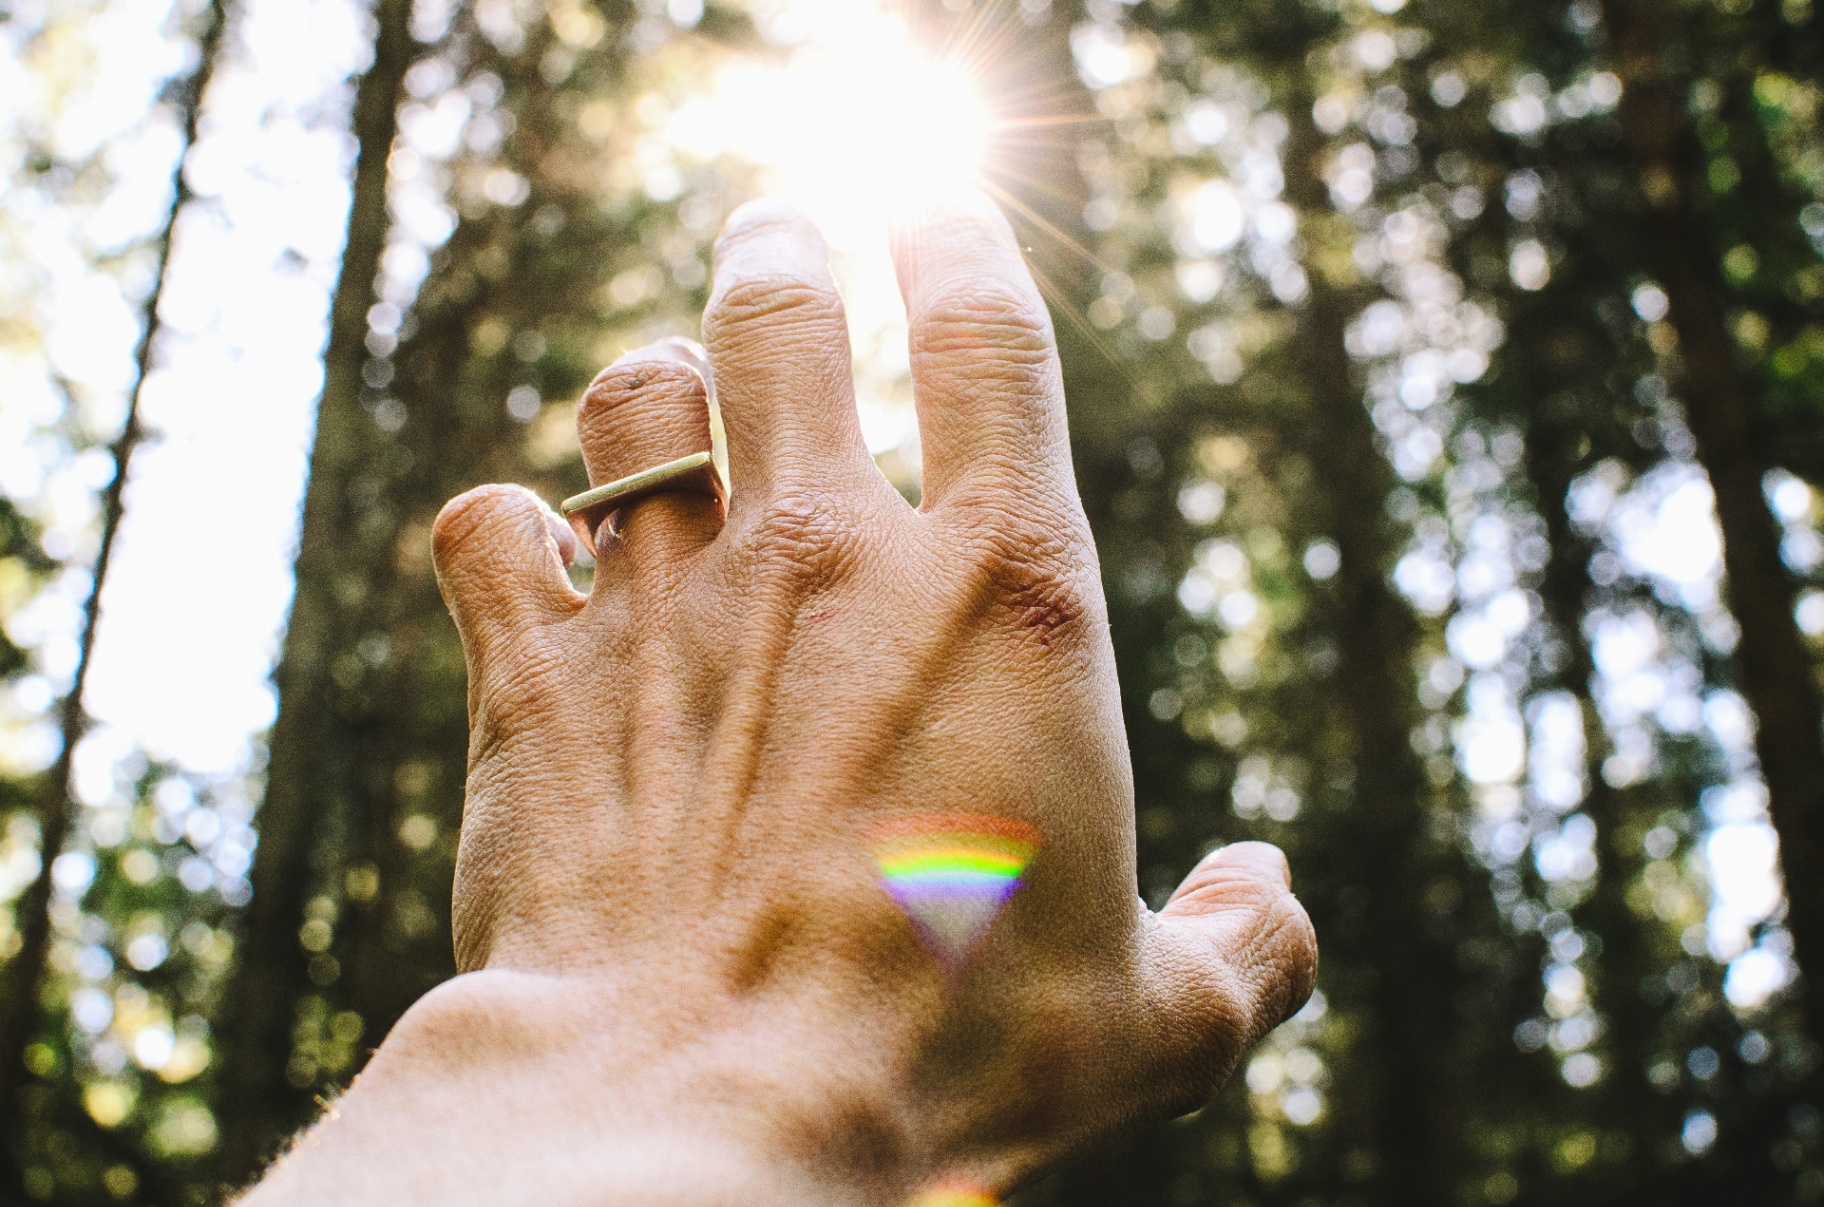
[{"x": 1425, "y": 468}]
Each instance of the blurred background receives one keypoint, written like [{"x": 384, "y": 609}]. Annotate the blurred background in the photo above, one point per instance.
[{"x": 1446, "y": 382}]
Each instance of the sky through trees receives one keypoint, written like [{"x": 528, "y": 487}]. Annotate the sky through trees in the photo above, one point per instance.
[{"x": 1445, "y": 385}]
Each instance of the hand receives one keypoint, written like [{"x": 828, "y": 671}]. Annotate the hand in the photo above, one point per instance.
[{"x": 683, "y": 979}]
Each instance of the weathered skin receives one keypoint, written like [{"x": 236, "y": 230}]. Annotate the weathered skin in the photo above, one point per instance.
[{"x": 682, "y": 984}]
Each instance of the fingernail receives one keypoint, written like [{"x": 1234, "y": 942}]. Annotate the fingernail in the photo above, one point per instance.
[
  {"x": 675, "y": 349},
  {"x": 926, "y": 229},
  {"x": 761, "y": 211},
  {"x": 1260, "y": 855},
  {"x": 964, "y": 201},
  {"x": 769, "y": 236},
  {"x": 685, "y": 351}
]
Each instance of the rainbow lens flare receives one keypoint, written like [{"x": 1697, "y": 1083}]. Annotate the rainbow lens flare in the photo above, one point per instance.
[
  {"x": 954, "y": 1194},
  {"x": 951, "y": 873}
]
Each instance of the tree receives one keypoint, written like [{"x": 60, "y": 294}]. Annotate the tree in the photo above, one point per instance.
[
  {"x": 25, "y": 973},
  {"x": 258, "y": 1012},
  {"x": 1775, "y": 665},
  {"x": 1628, "y": 1012},
  {"x": 554, "y": 262},
  {"x": 1390, "y": 327}
]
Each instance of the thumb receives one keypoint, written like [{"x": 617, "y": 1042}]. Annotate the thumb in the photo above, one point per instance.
[
  {"x": 500, "y": 556},
  {"x": 1231, "y": 956}
]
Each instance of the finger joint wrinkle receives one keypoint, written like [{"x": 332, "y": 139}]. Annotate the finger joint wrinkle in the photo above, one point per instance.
[{"x": 757, "y": 299}]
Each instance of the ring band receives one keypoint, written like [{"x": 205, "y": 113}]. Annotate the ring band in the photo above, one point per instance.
[{"x": 587, "y": 510}]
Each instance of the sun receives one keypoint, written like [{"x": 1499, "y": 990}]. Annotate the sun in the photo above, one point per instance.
[
  {"x": 854, "y": 123},
  {"x": 909, "y": 125}
]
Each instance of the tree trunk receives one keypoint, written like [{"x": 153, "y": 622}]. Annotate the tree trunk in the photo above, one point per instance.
[
  {"x": 258, "y": 1105},
  {"x": 1386, "y": 845},
  {"x": 1774, "y": 665},
  {"x": 1553, "y": 460},
  {"x": 24, "y": 976}
]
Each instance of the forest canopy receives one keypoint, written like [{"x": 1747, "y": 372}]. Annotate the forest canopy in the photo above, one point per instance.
[{"x": 1447, "y": 397}]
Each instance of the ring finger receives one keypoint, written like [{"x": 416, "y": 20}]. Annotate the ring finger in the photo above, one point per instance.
[{"x": 648, "y": 409}]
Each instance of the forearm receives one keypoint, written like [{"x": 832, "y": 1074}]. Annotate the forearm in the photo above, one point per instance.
[{"x": 501, "y": 1090}]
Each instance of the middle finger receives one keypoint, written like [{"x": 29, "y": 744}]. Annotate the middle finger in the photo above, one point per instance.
[{"x": 779, "y": 341}]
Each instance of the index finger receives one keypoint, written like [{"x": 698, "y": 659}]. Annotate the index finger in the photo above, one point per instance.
[{"x": 985, "y": 371}]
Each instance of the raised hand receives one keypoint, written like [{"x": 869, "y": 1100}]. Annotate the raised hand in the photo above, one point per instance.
[{"x": 694, "y": 971}]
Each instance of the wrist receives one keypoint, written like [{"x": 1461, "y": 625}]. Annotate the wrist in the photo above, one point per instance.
[{"x": 505, "y": 1087}]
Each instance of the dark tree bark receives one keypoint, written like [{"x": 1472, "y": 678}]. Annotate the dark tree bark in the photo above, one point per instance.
[
  {"x": 366, "y": 783},
  {"x": 1557, "y": 450},
  {"x": 25, "y": 974},
  {"x": 1384, "y": 838},
  {"x": 1775, "y": 667},
  {"x": 258, "y": 1104}
]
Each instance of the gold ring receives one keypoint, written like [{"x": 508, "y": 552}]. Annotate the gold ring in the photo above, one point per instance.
[{"x": 587, "y": 510}]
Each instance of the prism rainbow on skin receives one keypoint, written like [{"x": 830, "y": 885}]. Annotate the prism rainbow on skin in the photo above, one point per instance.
[
  {"x": 953, "y": 1194},
  {"x": 951, "y": 873}
]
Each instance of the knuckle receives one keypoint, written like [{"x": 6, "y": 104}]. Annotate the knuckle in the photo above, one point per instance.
[
  {"x": 802, "y": 538},
  {"x": 1205, "y": 1021},
  {"x": 1036, "y": 576},
  {"x": 504, "y": 702},
  {"x": 771, "y": 300},
  {"x": 1235, "y": 1021},
  {"x": 1276, "y": 961},
  {"x": 761, "y": 219},
  {"x": 515, "y": 705},
  {"x": 1270, "y": 978},
  {"x": 991, "y": 326},
  {"x": 1221, "y": 996},
  {"x": 509, "y": 701}
]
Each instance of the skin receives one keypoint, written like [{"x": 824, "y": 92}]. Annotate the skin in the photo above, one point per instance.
[{"x": 682, "y": 983}]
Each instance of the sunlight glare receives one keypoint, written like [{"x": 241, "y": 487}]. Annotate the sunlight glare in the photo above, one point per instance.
[
  {"x": 856, "y": 123},
  {"x": 853, "y": 124}
]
